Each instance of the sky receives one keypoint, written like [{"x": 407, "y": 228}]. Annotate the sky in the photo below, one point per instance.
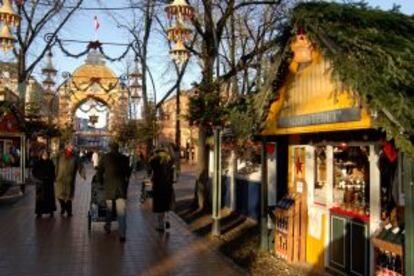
[{"x": 81, "y": 27}]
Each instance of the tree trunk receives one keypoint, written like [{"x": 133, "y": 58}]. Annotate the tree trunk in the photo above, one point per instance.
[
  {"x": 21, "y": 79},
  {"x": 209, "y": 54}
]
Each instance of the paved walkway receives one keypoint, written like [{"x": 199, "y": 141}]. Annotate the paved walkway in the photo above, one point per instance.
[{"x": 62, "y": 246}]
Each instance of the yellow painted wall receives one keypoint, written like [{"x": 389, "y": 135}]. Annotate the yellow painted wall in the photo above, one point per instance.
[
  {"x": 311, "y": 89},
  {"x": 315, "y": 248}
]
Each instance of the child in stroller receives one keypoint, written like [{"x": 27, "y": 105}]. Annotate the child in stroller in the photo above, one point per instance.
[
  {"x": 146, "y": 189},
  {"x": 97, "y": 207}
]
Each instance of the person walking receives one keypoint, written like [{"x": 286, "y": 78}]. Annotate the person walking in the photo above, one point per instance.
[
  {"x": 114, "y": 172},
  {"x": 67, "y": 165},
  {"x": 162, "y": 167},
  {"x": 95, "y": 159},
  {"x": 44, "y": 173}
]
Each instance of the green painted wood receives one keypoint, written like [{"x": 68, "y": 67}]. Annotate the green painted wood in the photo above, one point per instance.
[
  {"x": 338, "y": 250},
  {"x": 408, "y": 174},
  {"x": 359, "y": 262},
  {"x": 264, "y": 233}
]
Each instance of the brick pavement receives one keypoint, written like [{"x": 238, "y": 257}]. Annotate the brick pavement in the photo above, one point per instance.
[{"x": 62, "y": 246}]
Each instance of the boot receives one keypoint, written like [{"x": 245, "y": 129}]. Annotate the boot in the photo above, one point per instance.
[
  {"x": 69, "y": 208},
  {"x": 62, "y": 207}
]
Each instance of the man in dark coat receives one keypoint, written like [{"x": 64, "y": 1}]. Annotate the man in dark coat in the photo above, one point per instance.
[
  {"x": 162, "y": 166},
  {"x": 44, "y": 172},
  {"x": 114, "y": 171}
]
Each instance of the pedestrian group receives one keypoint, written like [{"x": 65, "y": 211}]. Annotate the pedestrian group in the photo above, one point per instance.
[{"x": 55, "y": 178}]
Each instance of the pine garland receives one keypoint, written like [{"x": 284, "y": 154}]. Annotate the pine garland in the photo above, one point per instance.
[{"x": 372, "y": 53}]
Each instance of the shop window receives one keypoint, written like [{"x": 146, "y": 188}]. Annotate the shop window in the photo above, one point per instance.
[
  {"x": 351, "y": 178},
  {"x": 320, "y": 175}
]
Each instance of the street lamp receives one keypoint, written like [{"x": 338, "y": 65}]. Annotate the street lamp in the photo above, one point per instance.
[
  {"x": 8, "y": 17},
  {"x": 179, "y": 12}
]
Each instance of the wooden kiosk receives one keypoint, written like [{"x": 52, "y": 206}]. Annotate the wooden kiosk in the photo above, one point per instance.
[
  {"x": 341, "y": 170},
  {"x": 12, "y": 145}
]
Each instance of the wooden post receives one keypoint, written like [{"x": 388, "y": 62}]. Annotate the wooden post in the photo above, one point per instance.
[
  {"x": 408, "y": 171},
  {"x": 374, "y": 201},
  {"x": 264, "y": 235}
]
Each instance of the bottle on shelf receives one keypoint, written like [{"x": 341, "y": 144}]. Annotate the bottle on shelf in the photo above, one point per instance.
[
  {"x": 392, "y": 264},
  {"x": 380, "y": 263},
  {"x": 398, "y": 266},
  {"x": 387, "y": 264}
]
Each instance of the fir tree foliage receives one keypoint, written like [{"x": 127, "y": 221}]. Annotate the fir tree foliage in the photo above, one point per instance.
[{"x": 371, "y": 52}]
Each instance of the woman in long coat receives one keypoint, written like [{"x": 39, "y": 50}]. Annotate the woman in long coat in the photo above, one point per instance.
[
  {"x": 67, "y": 165},
  {"x": 162, "y": 165},
  {"x": 44, "y": 172}
]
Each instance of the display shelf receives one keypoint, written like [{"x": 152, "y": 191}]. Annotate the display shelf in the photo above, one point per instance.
[
  {"x": 388, "y": 246},
  {"x": 389, "y": 252}
]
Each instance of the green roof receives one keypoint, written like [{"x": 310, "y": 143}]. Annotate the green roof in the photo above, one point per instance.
[{"x": 372, "y": 52}]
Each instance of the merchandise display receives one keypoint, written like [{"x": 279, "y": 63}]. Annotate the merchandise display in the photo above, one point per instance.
[{"x": 351, "y": 179}]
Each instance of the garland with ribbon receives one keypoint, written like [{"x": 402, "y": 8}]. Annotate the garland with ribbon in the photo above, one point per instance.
[{"x": 92, "y": 45}]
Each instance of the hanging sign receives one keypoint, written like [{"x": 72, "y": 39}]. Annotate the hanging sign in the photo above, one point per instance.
[{"x": 320, "y": 118}]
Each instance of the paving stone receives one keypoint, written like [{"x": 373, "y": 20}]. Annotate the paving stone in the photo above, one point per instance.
[{"x": 63, "y": 246}]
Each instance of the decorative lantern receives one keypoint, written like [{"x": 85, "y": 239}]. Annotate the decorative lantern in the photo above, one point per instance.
[
  {"x": 302, "y": 48},
  {"x": 123, "y": 97},
  {"x": 93, "y": 119},
  {"x": 48, "y": 82},
  {"x": 135, "y": 95},
  {"x": 135, "y": 74},
  {"x": 178, "y": 32},
  {"x": 49, "y": 95},
  {"x": 8, "y": 16},
  {"x": 6, "y": 39},
  {"x": 179, "y": 53},
  {"x": 49, "y": 69},
  {"x": 135, "y": 85},
  {"x": 179, "y": 9}
]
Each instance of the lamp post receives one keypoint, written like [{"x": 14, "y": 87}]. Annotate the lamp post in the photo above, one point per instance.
[{"x": 179, "y": 13}]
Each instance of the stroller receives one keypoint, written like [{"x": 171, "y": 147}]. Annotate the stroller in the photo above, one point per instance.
[
  {"x": 146, "y": 189},
  {"x": 97, "y": 208}
]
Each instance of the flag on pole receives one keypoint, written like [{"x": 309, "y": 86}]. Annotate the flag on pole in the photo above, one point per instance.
[{"x": 96, "y": 23}]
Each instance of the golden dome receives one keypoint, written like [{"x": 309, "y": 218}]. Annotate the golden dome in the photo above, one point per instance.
[{"x": 94, "y": 70}]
